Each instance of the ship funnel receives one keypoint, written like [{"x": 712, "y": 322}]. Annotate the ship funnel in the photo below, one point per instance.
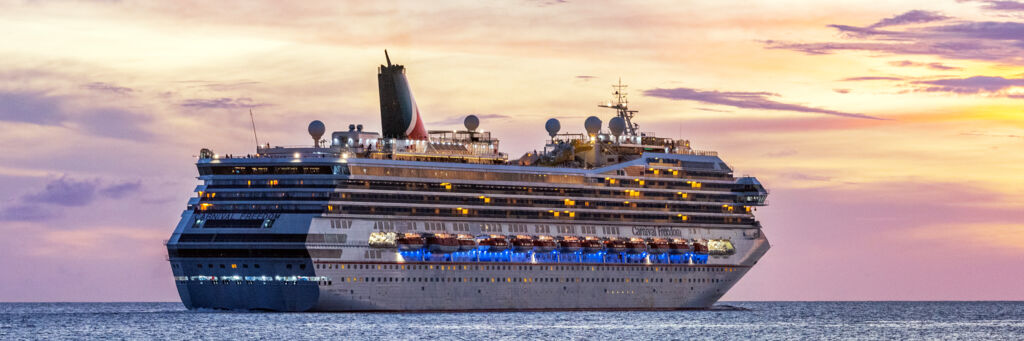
[{"x": 399, "y": 115}]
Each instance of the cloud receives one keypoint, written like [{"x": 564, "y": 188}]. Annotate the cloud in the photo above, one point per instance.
[
  {"x": 65, "y": 192},
  {"x": 962, "y": 39},
  {"x": 974, "y": 85},
  {"x": 121, "y": 190},
  {"x": 26, "y": 213},
  {"x": 842, "y": 91},
  {"x": 782, "y": 153},
  {"x": 106, "y": 87},
  {"x": 747, "y": 100},
  {"x": 934, "y": 66},
  {"x": 1001, "y": 5},
  {"x": 871, "y": 78},
  {"x": 976, "y": 133},
  {"x": 911, "y": 17},
  {"x": 221, "y": 103},
  {"x": 30, "y": 107},
  {"x": 461, "y": 119},
  {"x": 586, "y": 78},
  {"x": 54, "y": 110}
]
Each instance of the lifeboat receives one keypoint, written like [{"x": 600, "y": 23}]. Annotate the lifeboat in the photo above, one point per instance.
[
  {"x": 679, "y": 245},
  {"x": 658, "y": 245},
  {"x": 636, "y": 245},
  {"x": 544, "y": 244},
  {"x": 569, "y": 244},
  {"x": 615, "y": 245},
  {"x": 466, "y": 242},
  {"x": 442, "y": 243},
  {"x": 592, "y": 244},
  {"x": 493, "y": 243},
  {"x": 522, "y": 244},
  {"x": 700, "y": 247},
  {"x": 409, "y": 242}
]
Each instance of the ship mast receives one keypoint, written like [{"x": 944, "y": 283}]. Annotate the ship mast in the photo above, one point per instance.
[{"x": 621, "y": 107}]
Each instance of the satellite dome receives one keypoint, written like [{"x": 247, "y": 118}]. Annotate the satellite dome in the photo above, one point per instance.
[
  {"x": 316, "y": 129},
  {"x": 617, "y": 125},
  {"x": 553, "y": 126},
  {"x": 471, "y": 122},
  {"x": 593, "y": 125}
]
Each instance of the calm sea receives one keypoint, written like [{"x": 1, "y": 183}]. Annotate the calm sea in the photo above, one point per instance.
[{"x": 749, "y": 320}]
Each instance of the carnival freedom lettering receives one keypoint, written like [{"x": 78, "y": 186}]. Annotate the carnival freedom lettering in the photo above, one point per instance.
[{"x": 657, "y": 232}]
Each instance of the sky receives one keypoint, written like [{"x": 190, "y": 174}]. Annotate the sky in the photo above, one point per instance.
[{"x": 889, "y": 134}]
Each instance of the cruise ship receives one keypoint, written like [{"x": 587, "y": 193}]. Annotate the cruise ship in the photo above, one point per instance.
[{"x": 410, "y": 219}]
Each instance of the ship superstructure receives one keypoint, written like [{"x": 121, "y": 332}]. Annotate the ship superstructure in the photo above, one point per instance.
[{"x": 417, "y": 220}]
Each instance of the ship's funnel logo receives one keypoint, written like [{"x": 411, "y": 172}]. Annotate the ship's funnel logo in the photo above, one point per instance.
[{"x": 399, "y": 115}]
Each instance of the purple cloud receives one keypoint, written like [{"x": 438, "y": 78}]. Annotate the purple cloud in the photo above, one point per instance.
[
  {"x": 934, "y": 66},
  {"x": 121, "y": 190},
  {"x": 43, "y": 109},
  {"x": 969, "y": 40},
  {"x": 106, "y": 87},
  {"x": 26, "y": 213},
  {"x": 841, "y": 91},
  {"x": 911, "y": 17},
  {"x": 1001, "y": 5},
  {"x": 871, "y": 78},
  {"x": 748, "y": 100},
  {"x": 972, "y": 85},
  {"x": 65, "y": 192},
  {"x": 221, "y": 103}
]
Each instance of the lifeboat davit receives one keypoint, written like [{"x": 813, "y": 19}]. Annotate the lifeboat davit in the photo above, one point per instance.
[
  {"x": 658, "y": 246},
  {"x": 409, "y": 242},
  {"x": 569, "y": 245},
  {"x": 466, "y": 242},
  {"x": 636, "y": 245},
  {"x": 544, "y": 244},
  {"x": 679, "y": 246},
  {"x": 522, "y": 244},
  {"x": 442, "y": 243},
  {"x": 615, "y": 245},
  {"x": 700, "y": 247},
  {"x": 494, "y": 243},
  {"x": 592, "y": 244}
]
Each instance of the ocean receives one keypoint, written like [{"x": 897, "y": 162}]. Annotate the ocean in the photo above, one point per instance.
[{"x": 729, "y": 320}]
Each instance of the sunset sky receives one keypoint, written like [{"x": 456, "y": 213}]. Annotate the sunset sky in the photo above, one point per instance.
[{"x": 890, "y": 134}]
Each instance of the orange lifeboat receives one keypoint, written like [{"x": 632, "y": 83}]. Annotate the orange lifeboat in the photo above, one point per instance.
[
  {"x": 466, "y": 242},
  {"x": 569, "y": 244},
  {"x": 615, "y": 245},
  {"x": 442, "y": 243},
  {"x": 658, "y": 245},
  {"x": 679, "y": 245},
  {"x": 409, "y": 242},
  {"x": 522, "y": 244},
  {"x": 636, "y": 245},
  {"x": 493, "y": 243},
  {"x": 544, "y": 244},
  {"x": 591, "y": 244},
  {"x": 700, "y": 247}
]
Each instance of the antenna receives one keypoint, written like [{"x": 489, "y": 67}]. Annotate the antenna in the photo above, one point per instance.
[
  {"x": 621, "y": 107},
  {"x": 386, "y": 57},
  {"x": 253, "y": 120}
]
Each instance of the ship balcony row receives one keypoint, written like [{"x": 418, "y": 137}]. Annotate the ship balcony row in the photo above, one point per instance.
[{"x": 227, "y": 185}]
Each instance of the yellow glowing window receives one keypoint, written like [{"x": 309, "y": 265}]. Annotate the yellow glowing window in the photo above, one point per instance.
[{"x": 234, "y": 266}]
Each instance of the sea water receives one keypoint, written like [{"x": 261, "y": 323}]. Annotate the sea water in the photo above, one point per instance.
[{"x": 729, "y": 320}]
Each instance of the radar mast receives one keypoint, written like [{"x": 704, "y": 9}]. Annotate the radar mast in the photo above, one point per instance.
[{"x": 621, "y": 107}]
